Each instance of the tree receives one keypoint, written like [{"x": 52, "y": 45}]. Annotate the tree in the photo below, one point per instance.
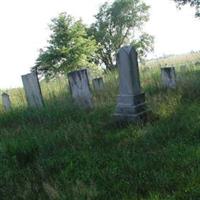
[
  {"x": 69, "y": 47},
  {"x": 118, "y": 24},
  {"x": 193, "y": 3}
]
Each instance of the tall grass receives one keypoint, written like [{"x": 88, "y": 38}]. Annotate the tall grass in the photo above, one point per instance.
[{"x": 65, "y": 152}]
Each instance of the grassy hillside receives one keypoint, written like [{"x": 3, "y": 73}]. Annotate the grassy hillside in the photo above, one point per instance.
[{"x": 64, "y": 152}]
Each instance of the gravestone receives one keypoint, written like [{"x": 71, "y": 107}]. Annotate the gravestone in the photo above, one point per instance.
[
  {"x": 98, "y": 84},
  {"x": 183, "y": 68},
  {"x": 168, "y": 76},
  {"x": 32, "y": 90},
  {"x": 6, "y": 101},
  {"x": 131, "y": 104},
  {"x": 197, "y": 63},
  {"x": 80, "y": 88}
]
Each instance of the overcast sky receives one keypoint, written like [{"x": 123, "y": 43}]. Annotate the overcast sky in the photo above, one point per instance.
[{"x": 24, "y": 30}]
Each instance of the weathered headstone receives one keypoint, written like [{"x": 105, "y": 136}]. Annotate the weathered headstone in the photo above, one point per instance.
[
  {"x": 168, "y": 76},
  {"x": 98, "y": 84},
  {"x": 131, "y": 104},
  {"x": 80, "y": 88},
  {"x": 197, "y": 63},
  {"x": 32, "y": 90},
  {"x": 183, "y": 68},
  {"x": 6, "y": 101}
]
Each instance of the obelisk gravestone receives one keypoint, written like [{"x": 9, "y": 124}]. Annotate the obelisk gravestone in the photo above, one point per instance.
[{"x": 131, "y": 104}]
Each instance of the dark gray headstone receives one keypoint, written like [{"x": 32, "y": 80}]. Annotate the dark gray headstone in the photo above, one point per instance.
[
  {"x": 197, "y": 63},
  {"x": 80, "y": 88},
  {"x": 32, "y": 90},
  {"x": 98, "y": 84},
  {"x": 6, "y": 101},
  {"x": 168, "y": 76},
  {"x": 131, "y": 104}
]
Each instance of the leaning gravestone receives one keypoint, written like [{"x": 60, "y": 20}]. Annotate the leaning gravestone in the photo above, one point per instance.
[
  {"x": 32, "y": 90},
  {"x": 98, "y": 84},
  {"x": 6, "y": 101},
  {"x": 168, "y": 76},
  {"x": 80, "y": 88},
  {"x": 131, "y": 104}
]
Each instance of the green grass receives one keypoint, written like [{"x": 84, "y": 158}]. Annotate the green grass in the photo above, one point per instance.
[{"x": 64, "y": 152}]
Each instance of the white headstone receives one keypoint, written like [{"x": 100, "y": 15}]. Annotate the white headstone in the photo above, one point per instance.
[
  {"x": 168, "y": 76},
  {"x": 80, "y": 88},
  {"x": 32, "y": 90},
  {"x": 6, "y": 101},
  {"x": 98, "y": 84},
  {"x": 131, "y": 104}
]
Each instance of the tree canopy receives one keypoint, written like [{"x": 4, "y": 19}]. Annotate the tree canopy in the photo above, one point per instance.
[
  {"x": 69, "y": 47},
  {"x": 194, "y": 3},
  {"x": 118, "y": 24},
  {"x": 72, "y": 45}
]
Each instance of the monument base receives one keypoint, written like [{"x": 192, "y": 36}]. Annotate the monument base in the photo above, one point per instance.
[{"x": 131, "y": 108}]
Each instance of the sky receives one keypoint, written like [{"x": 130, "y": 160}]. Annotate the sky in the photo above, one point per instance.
[{"x": 24, "y": 30}]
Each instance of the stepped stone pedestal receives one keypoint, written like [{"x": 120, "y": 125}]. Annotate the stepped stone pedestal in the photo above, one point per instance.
[
  {"x": 131, "y": 105},
  {"x": 32, "y": 90},
  {"x": 168, "y": 76},
  {"x": 80, "y": 88}
]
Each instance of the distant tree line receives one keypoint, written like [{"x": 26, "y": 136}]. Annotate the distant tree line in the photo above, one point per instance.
[{"x": 73, "y": 45}]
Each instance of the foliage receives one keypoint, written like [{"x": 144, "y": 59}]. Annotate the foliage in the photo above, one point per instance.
[
  {"x": 194, "y": 3},
  {"x": 73, "y": 46},
  {"x": 118, "y": 24},
  {"x": 69, "y": 48}
]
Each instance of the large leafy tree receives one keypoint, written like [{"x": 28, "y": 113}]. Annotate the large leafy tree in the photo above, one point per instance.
[
  {"x": 69, "y": 47},
  {"x": 118, "y": 24},
  {"x": 194, "y": 3}
]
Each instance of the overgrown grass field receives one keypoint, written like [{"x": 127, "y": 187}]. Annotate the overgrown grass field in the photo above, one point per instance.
[{"x": 63, "y": 152}]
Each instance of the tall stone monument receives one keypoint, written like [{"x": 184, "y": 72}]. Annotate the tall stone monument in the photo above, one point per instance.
[
  {"x": 98, "y": 84},
  {"x": 32, "y": 90},
  {"x": 80, "y": 88},
  {"x": 168, "y": 76},
  {"x": 131, "y": 104},
  {"x": 6, "y": 101}
]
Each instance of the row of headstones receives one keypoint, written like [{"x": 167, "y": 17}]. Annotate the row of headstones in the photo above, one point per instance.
[
  {"x": 131, "y": 100},
  {"x": 33, "y": 93}
]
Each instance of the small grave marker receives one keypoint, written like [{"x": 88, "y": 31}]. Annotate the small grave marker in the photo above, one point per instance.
[
  {"x": 98, "y": 84},
  {"x": 6, "y": 101},
  {"x": 168, "y": 76}
]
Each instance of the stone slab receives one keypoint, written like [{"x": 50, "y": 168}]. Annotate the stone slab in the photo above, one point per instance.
[
  {"x": 6, "y": 102},
  {"x": 168, "y": 76},
  {"x": 98, "y": 84},
  {"x": 80, "y": 88},
  {"x": 32, "y": 90}
]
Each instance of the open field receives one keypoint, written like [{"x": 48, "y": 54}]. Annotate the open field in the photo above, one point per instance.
[{"x": 64, "y": 152}]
